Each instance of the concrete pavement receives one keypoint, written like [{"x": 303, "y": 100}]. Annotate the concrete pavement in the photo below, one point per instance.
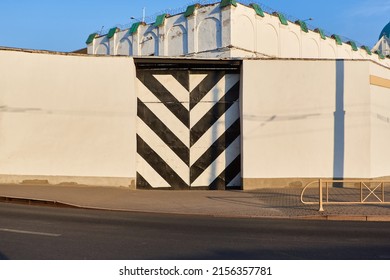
[{"x": 262, "y": 203}]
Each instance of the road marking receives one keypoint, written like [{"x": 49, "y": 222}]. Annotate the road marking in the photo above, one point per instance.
[{"x": 30, "y": 232}]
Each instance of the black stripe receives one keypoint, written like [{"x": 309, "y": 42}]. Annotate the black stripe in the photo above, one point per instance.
[
  {"x": 223, "y": 180},
  {"x": 208, "y": 120},
  {"x": 204, "y": 87},
  {"x": 183, "y": 77},
  {"x": 142, "y": 184},
  {"x": 233, "y": 94},
  {"x": 158, "y": 164},
  {"x": 165, "y": 134},
  {"x": 215, "y": 150},
  {"x": 164, "y": 96}
]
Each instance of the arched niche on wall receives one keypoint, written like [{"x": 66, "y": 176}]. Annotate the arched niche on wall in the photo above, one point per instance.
[
  {"x": 310, "y": 48},
  {"x": 268, "y": 40},
  {"x": 209, "y": 34},
  {"x": 177, "y": 40},
  {"x": 327, "y": 50},
  {"x": 149, "y": 44},
  {"x": 290, "y": 45},
  {"x": 244, "y": 33},
  {"x": 125, "y": 47},
  {"x": 104, "y": 47}
]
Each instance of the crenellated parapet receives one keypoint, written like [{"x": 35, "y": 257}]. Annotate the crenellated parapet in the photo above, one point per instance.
[{"x": 227, "y": 29}]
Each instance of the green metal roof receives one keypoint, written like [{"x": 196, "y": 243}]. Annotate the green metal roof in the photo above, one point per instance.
[
  {"x": 91, "y": 37},
  {"x": 385, "y": 31},
  {"x": 257, "y": 9},
  {"x": 134, "y": 27},
  {"x": 112, "y": 32},
  {"x": 353, "y": 45},
  {"x": 337, "y": 39},
  {"x": 160, "y": 20},
  {"x": 303, "y": 25},
  {"x": 282, "y": 18},
  {"x": 367, "y": 49},
  {"x": 225, "y": 3},
  {"x": 380, "y": 54},
  {"x": 321, "y": 32},
  {"x": 191, "y": 10}
]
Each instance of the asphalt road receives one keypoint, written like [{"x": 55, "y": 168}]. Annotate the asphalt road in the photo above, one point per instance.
[{"x": 44, "y": 233}]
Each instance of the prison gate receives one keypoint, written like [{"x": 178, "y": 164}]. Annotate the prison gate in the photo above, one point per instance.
[{"x": 188, "y": 126}]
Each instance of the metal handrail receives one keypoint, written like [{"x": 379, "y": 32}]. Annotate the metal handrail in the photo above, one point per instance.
[{"x": 363, "y": 184}]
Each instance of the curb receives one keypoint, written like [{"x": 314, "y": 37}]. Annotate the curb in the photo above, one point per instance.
[{"x": 60, "y": 204}]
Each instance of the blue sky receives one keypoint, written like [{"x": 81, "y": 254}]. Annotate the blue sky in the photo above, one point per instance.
[{"x": 64, "y": 25}]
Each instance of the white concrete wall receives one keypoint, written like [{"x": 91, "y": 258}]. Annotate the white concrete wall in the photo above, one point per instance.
[
  {"x": 67, "y": 116},
  {"x": 380, "y": 122},
  {"x": 289, "y": 108},
  {"x": 227, "y": 32}
]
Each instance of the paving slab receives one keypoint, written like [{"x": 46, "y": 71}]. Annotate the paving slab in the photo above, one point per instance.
[{"x": 266, "y": 203}]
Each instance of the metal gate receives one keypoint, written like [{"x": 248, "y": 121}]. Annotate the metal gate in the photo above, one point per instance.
[{"x": 188, "y": 126}]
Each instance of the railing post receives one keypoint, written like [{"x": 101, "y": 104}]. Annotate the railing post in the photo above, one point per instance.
[
  {"x": 383, "y": 192},
  {"x": 320, "y": 200}
]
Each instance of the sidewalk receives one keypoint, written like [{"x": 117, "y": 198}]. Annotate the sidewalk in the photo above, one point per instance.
[{"x": 263, "y": 203}]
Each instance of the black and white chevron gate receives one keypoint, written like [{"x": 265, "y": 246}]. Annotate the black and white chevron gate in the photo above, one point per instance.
[{"x": 188, "y": 127}]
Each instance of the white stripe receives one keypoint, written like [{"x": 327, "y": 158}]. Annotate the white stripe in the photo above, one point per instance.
[
  {"x": 236, "y": 182},
  {"x": 165, "y": 152},
  {"x": 214, "y": 95},
  {"x": 150, "y": 175},
  {"x": 214, "y": 132},
  {"x": 175, "y": 88},
  {"x": 164, "y": 114},
  {"x": 219, "y": 165},
  {"x": 30, "y": 232},
  {"x": 195, "y": 80}
]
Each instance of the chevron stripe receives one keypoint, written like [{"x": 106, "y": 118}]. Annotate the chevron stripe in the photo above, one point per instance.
[
  {"x": 217, "y": 167},
  {"x": 237, "y": 181},
  {"x": 164, "y": 114},
  {"x": 145, "y": 170},
  {"x": 204, "y": 86},
  {"x": 214, "y": 132},
  {"x": 163, "y": 96},
  {"x": 175, "y": 88},
  {"x": 188, "y": 129},
  {"x": 230, "y": 177},
  {"x": 166, "y": 135},
  {"x": 163, "y": 170},
  {"x": 195, "y": 80},
  {"x": 163, "y": 150},
  {"x": 215, "y": 150},
  {"x": 215, "y": 94}
]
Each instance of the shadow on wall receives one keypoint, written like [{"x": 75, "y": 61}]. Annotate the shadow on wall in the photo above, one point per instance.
[
  {"x": 339, "y": 125},
  {"x": 2, "y": 256}
]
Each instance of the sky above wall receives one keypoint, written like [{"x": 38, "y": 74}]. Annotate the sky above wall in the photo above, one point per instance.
[{"x": 64, "y": 25}]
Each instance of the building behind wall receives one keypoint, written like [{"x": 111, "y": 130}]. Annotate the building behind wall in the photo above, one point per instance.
[{"x": 216, "y": 31}]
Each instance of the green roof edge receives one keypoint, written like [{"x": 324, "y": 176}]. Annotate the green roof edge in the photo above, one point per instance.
[
  {"x": 257, "y": 9},
  {"x": 321, "y": 32},
  {"x": 112, "y": 32},
  {"x": 160, "y": 20},
  {"x": 281, "y": 17},
  {"x": 134, "y": 27},
  {"x": 366, "y": 49},
  {"x": 225, "y": 3},
  {"x": 353, "y": 45},
  {"x": 380, "y": 54},
  {"x": 191, "y": 10},
  {"x": 91, "y": 37},
  {"x": 303, "y": 25},
  {"x": 337, "y": 39}
]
